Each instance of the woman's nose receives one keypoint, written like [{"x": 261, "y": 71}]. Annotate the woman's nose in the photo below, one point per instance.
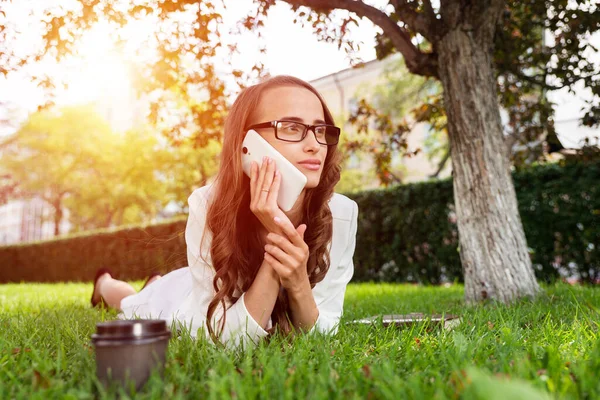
[{"x": 311, "y": 139}]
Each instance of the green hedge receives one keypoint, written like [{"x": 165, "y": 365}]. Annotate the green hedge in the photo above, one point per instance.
[
  {"x": 131, "y": 253},
  {"x": 560, "y": 209},
  {"x": 408, "y": 233},
  {"x": 405, "y": 233}
]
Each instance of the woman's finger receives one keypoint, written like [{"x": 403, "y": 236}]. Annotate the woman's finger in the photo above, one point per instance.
[
  {"x": 260, "y": 180},
  {"x": 301, "y": 230},
  {"x": 288, "y": 228},
  {"x": 252, "y": 178},
  {"x": 274, "y": 193},
  {"x": 270, "y": 165},
  {"x": 282, "y": 242},
  {"x": 279, "y": 268},
  {"x": 285, "y": 258},
  {"x": 287, "y": 247}
]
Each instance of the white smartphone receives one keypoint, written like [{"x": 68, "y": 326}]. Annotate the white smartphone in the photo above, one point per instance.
[{"x": 254, "y": 148}]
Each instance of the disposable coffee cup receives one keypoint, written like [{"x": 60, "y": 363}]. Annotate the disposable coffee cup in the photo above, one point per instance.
[{"x": 129, "y": 350}]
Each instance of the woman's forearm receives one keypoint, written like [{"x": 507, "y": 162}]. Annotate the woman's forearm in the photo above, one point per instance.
[
  {"x": 261, "y": 297},
  {"x": 303, "y": 307}
]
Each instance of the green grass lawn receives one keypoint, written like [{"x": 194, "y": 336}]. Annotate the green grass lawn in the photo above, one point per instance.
[{"x": 549, "y": 348}]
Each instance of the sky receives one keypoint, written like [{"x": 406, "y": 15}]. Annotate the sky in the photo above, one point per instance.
[
  {"x": 103, "y": 76},
  {"x": 294, "y": 50}
]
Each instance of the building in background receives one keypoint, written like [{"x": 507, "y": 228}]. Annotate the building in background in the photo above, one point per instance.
[
  {"x": 343, "y": 89},
  {"x": 28, "y": 221}
]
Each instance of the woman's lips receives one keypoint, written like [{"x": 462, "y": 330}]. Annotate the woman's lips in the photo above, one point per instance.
[{"x": 311, "y": 167}]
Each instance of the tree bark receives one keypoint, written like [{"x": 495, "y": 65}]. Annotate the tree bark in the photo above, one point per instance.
[{"x": 493, "y": 248}]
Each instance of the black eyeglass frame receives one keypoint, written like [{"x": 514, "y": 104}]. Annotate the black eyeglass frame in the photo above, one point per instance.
[{"x": 273, "y": 124}]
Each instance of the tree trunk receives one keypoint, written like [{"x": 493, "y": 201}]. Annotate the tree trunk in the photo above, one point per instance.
[
  {"x": 108, "y": 216},
  {"x": 203, "y": 177},
  {"x": 58, "y": 214},
  {"x": 493, "y": 248}
]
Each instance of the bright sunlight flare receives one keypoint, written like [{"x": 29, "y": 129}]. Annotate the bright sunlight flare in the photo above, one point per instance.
[{"x": 103, "y": 72}]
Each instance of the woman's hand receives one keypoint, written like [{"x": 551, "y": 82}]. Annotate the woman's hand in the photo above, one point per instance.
[
  {"x": 288, "y": 255},
  {"x": 264, "y": 189}
]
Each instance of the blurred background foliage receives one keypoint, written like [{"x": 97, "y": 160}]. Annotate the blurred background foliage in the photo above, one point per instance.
[{"x": 106, "y": 177}]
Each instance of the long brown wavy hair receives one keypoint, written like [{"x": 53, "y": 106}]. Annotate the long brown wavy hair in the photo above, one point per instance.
[{"x": 236, "y": 248}]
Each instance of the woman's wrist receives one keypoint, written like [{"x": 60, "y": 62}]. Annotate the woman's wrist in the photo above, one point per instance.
[
  {"x": 266, "y": 269},
  {"x": 262, "y": 295},
  {"x": 300, "y": 291},
  {"x": 304, "y": 310}
]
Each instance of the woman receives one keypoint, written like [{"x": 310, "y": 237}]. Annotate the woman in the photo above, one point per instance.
[{"x": 257, "y": 269}]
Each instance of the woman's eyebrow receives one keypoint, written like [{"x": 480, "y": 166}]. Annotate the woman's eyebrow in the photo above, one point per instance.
[{"x": 316, "y": 121}]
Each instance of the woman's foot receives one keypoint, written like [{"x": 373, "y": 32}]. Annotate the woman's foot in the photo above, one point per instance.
[
  {"x": 101, "y": 275},
  {"x": 153, "y": 277}
]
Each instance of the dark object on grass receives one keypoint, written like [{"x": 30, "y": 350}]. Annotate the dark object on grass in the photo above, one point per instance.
[
  {"x": 446, "y": 321},
  {"x": 129, "y": 350}
]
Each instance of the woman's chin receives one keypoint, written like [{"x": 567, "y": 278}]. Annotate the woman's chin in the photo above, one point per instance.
[{"x": 311, "y": 183}]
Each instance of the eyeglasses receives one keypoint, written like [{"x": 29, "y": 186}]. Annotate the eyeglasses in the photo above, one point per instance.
[{"x": 293, "y": 131}]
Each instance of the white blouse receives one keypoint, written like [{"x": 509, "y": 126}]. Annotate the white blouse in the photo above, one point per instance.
[{"x": 183, "y": 295}]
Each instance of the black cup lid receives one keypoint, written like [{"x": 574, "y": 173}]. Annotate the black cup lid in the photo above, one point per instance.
[{"x": 136, "y": 328}]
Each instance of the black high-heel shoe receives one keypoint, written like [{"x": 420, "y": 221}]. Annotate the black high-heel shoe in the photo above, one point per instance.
[{"x": 99, "y": 273}]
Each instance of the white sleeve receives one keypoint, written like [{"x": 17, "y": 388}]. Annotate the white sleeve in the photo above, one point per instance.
[
  {"x": 240, "y": 326},
  {"x": 331, "y": 306}
]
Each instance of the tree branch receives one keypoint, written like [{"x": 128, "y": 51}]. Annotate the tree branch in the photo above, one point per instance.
[
  {"x": 441, "y": 165},
  {"x": 396, "y": 178},
  {"x": 429, "y": 10},
  {"x": 417, "y": 62},
  {"x": 544, "y": 85},
  {"x": 421, "y": 22},
  {"x": 485, "y": 19}
]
